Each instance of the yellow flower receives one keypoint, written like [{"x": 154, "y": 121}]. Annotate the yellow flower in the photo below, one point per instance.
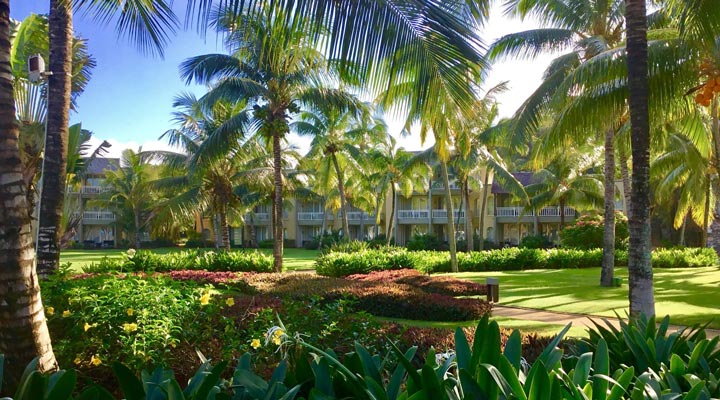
[
  {"x": 276, "y": 340},
  {"x": 95, "y": 360},
  {"x": 205, "y": 299},
  {"x": 50, "y": 311},
  {"x": 87, "y": 326},
  {"x": 131, "y": 253},
  {"x": 279, "y": 333},
  {"x": 130, "y": 312},
  {"x": 230, "y": 302},
  {"x": 131, "y": 327},
  {"x": 255, "y": 343},
  {"x": 77, "y": 360},
  {"x": 66, "y": 313}
]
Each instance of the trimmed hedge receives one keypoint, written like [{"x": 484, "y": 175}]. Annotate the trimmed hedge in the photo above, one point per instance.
[
  {"x": 508, "y": 259},
  {"x": 146, "y": 261}
]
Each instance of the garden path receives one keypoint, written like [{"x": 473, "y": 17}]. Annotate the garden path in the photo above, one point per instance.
[{"x": 578, "y": 320}]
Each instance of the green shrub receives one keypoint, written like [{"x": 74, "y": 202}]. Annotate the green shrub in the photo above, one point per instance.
[
  {"x": 684, "y": 257},
  {"x": 266, "y": 244},
  {"x": 535, "y": 242},
  {"x": 351, "y": 246},
  {"x": 147, "y": 261},
  {"x": 426, "y": 241},
  {"x": 506, "y": 259},
  {"x": 587, "y": 232}
]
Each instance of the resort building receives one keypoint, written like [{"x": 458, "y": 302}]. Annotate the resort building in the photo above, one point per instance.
[{"x": 94, "y": 226}]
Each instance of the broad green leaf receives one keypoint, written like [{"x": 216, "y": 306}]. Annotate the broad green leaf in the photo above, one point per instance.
[
  {"x": 63, "y": 387},
  {"x": 513, "y": 349},
  {"x": 582, "y": 369},
  {"x": 130, "y": 385}
]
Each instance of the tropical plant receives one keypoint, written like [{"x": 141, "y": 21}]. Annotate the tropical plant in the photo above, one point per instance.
[
  {"x": 23, "y": 330},
  {"x": 128, "y": 192},
  {"x": 399, "y": 171},
  {"x": 334, "y": 150}
]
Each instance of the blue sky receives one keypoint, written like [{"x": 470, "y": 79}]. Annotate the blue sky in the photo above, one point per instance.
[{"x": 129, "y": 98}]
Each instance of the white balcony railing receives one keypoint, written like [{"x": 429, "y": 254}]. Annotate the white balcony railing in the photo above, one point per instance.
[
  {"x": 258, "y": 217},
  {"x": 545, "y": 212},
  {"x": 437, "y": 185},
  {"x": 311, "y": 216},
  {"x": 444, "y": 214},
  {"x": 413, "y": 214},
  {"x": 99, "y": 216},
  {"x": 358, "y": 215}
]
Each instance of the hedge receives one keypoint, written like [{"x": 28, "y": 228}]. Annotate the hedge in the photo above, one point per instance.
[
  {"x": 147, "y": 261},
  {"x": 508, "y": 259}
]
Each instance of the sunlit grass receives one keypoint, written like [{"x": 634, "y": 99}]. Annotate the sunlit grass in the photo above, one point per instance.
[{"x": 689, "y": 296}]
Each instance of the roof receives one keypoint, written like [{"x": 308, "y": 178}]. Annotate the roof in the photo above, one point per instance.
[
  {"x": 99, "y": 165},
  {"x": 524, "y": 177}
]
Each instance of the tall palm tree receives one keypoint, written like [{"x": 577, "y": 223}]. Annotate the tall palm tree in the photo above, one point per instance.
[
  {"x": 682, "y": 173},
  {"x": 336, "y": 136},
  {"x": 128, "y": 191},
  {"x": 148, "y": 23},
  {"x": 586, "y": 28},
  {"x": 202, "y": 183},
  {"x": 23, "y": 329},
  {"x": 270, "y": 68},
  {"x": 398, "y": 171},
  {"x": 640, "y": 274},
  {"x": 567, "y": 180}
]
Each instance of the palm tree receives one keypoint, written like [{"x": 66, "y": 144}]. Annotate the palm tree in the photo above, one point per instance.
[
  {"x": 336, "y": 136},
  {"x": 396, "y": 170},
  {"x": 201, "y": 183},
  {"x": 128, "y": 191},
  {"x": 23, "y": 333},
  {"x": 567, "y": 180},
  {"x": 148, "y": 22},
  {"x": 640, "y": 274},
  {"x": 273, "y": 77},
  {"x": 682, "y": 173}
]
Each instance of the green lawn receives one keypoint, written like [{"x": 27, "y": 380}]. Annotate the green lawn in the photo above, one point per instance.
[
  {"x": 293, "y": 260},
  {"x": 689, "y": 296}
]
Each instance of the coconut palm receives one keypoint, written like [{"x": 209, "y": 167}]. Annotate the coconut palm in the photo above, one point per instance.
[
  {"x": 336, "y": 136},
  {"x": 398, "y": 171},
  {"x": 273, "y": 76},
  {"x": 128, "y": 192},
  {"x": 23, "y": 330}
]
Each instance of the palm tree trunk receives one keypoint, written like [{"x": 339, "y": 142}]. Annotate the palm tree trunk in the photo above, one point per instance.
[
  {"x": 23, "y": 329},
  {"x": 391, "y": 222},
  {"x": 253, "y": 231},
  {"x": 713, "y": 232},
  {"x": 323, "y": 226},
  {"x": 469, "y": 235},
  {"x": 625, "y": 174},
  {"x": 225, "y": 230},
  {"x": 608, "y": 261},
  {"x": 561, "y": 204},
  {"x": 536, "y": 222},
  {"x": 706, "y": 217},
  {"x": 361, "y": 234},
  {"x": 136, "y": 221},
  {"x": 343, "y": 200},
  {"x": 451, "y": 222},
  {"x": 682, "y": 229},
  {"x": 483, "y": 206},
  {"x": 56, "y": 142},
  {"x": 377, "y": 215},
  {"x": 277, "y": 205},
  {"x": 640, "y": 273},
  {"x": 217, "y": 230}
]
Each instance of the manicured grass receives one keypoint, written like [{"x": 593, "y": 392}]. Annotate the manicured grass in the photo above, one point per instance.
[
  {"x": 689, "y": 295},
  {"x": 524, "y": 326},
  {"x": 293, "y": 260}
]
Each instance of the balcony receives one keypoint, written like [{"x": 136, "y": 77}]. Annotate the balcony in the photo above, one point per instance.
[
  {"x": 312, "y": 217},
  {"x": 359, "y": 216},
  {"x": 257, "y": 218},
  {"x": 439, "y": 185},
  {"x": 89, "y": 190},
  {"x": 413, "y": 214},
  {"x": 517, "y": 212},
  {"x": 442, "y": 214},
  {"x": 98, "y": 217}
]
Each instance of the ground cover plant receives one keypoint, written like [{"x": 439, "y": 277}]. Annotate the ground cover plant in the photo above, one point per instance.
[
  {"x": 147, "y": 261},
  {"x": 483, "y": 364}
]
